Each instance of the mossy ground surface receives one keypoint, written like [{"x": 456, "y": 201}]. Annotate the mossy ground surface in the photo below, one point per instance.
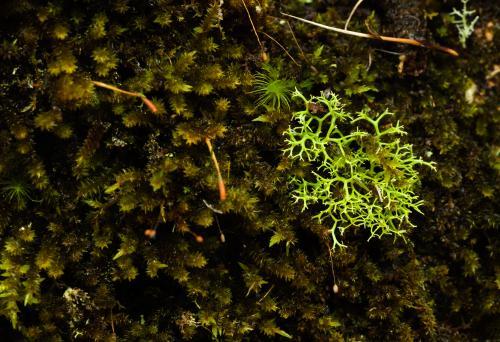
[{"x": 86, "y": 171}]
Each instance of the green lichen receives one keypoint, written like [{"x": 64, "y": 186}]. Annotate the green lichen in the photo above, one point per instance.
[
  {"x": 363, "y": 175},
  {"x": 461, "y": 20}
]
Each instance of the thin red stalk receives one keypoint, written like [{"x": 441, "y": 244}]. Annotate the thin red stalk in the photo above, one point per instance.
[
  {"x": 144, "y": 99},
  {"x": 220, "y": 181}
]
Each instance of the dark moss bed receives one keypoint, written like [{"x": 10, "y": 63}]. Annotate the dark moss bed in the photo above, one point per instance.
[{"x": 112, "y": 226}]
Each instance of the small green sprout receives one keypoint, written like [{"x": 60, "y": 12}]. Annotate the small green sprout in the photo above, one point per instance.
[
  {"x": 273, "y": 91},
  {"x": 363, "y": 175},
  {"x": 461, "y": 21},
  {"x": 16, "y": 192}
]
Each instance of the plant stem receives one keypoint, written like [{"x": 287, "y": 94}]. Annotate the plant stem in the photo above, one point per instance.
[
  {"x": 220, "y": 181},
  {"x": 282, "y": 47},
  {"x": 383, "y": 38},
  {"x": 352, "y": 13},
  {"x": 253, "y": 26},
  {"x": 146, "y": 101}
]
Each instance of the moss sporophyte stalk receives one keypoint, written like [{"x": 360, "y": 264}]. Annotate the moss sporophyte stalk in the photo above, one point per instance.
[{"x": 362, "y": 174}]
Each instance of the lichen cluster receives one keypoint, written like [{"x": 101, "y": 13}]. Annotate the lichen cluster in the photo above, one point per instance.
[
  {"x": 464, "y": 24},
  {"x": 112, "y": 222},
  {"x": 363, "y": 176}
]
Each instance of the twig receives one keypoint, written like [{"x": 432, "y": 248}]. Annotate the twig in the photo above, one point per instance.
[
  {"x": 253, "y": 26},
  {"x": 220, "y": 181},
  {"x": 147, "y": 102},
  {"x": 282, "y": 47},
  {"x": 296, "y": 42},
  {"x": 211, "y": 207},
  {"x": 389, "y": 52},
  {"x": 383, "y": 38},
  {"x": 352, "y": 13}
]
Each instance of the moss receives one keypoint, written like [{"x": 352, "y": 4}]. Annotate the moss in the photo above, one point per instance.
[{"x": 95, "y": 172}]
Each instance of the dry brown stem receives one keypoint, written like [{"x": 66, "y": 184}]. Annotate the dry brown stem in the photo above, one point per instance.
[{"x": 408, "y": 41}]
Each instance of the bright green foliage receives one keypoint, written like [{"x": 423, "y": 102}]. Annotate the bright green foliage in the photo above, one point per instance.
[
  {"x": 15, "y": 192},
  {"x": 274, "y": 92},
  {"x": 363, "y": 175}
]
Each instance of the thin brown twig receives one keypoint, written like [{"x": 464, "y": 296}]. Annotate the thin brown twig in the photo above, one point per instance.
[
  {"x": 383, "y": 38},
  {"x": 352, "y": 13},
  {"x": 220, "y": 181},
  {"x": 253, "y": 26},
  {"x": 282, "y": 47},
  {"x": 296, "y": 42},
  {"x": 144, "y": 99}
]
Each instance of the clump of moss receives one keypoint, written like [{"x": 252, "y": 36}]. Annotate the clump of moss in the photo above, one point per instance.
[{"x": 112, "y": 198}]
